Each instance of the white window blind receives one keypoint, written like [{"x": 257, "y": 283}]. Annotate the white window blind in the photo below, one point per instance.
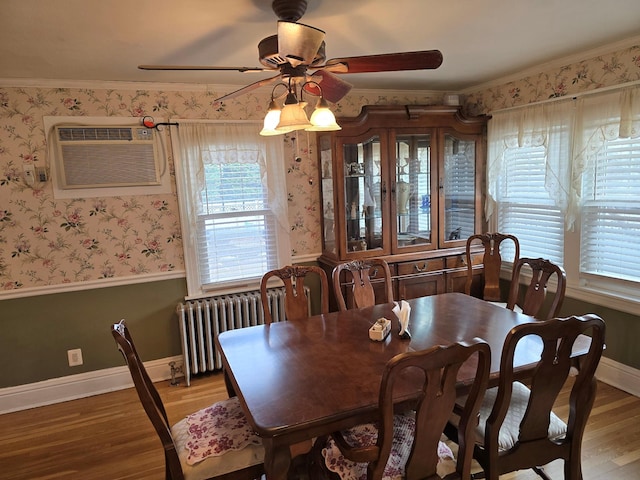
[
  {"x": 525, "y": 208},
  {"x": 610, "y": 239},
  {"x": 236, "y": 234}
]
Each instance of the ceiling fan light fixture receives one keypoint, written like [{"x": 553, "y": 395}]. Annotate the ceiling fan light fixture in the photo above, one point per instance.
[
  {"x": 322, "y": 119},
  {"x": 293, "y": 116}
]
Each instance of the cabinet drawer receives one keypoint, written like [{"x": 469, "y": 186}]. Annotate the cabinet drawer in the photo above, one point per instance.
[
  {"x": 420, "y": 266},
  {"x": 459, "y": 261}
]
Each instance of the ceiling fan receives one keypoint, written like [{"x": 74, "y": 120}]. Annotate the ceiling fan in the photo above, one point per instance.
[{"x": 297, "y": 51}]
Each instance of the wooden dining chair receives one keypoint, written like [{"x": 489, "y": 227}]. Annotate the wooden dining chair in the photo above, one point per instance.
[
  {"x": 491, "y": 261},
  {"x": 296, "y": 301},
  {"x": 518, "y": 428},
  {"x": 409, "y": 446},
  {"x": 531, "y": 302},
  {"x": 209, "y": 430},
  {"x": 358, "y": 276}
]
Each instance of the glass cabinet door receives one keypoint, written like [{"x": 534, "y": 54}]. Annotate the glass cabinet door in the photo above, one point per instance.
[
  {"x": 363, "y": 189},
  {"x": 458, "y": 185},
  {"x": 413, "y": 183},
  {"x": 328, "y": 214}
]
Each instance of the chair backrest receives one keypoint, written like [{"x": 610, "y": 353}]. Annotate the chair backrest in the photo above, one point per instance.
[
  {"x": 541, "y": 272},
  {"x": 492, "y": 262},
  {"x": 150, "y": 399},
  {"x": 358, "y": 278},
  {"x": 557, "y": 337},
  {"x": 296, "y": 302},
  {"x": 438, "y": 369}
]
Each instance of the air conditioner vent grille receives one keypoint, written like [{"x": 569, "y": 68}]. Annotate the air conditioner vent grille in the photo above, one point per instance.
[
  {"x": 91, "y": 156},
  {"x": 83, "y": 134}
]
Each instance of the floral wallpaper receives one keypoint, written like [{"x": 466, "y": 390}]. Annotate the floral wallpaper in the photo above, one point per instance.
[
  {"x": 615, "y": 68},
  {"x": 46, "y": 241}
]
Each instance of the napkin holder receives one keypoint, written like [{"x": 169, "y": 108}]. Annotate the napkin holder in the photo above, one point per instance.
[
  {"x": 379, "y": 330},
  {"x": 402, "y": 310}
]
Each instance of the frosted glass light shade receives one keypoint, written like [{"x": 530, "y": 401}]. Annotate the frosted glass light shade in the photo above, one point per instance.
[
  {"x": 323, "y": 119},
  {"x": 271, "y": 120},
  {"x": 293, "y": 117}
]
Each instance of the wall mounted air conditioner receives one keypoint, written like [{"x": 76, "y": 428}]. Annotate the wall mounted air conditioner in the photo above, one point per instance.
[{"x": 106, "y": 156}]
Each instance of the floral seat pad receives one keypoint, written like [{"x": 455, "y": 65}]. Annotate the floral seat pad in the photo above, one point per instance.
[
  {"x": 367, "y": 434},
  {"x": 215, "y": 430}
]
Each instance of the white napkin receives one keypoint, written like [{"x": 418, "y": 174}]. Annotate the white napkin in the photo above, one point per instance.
[{"x": 403, "y": 311}]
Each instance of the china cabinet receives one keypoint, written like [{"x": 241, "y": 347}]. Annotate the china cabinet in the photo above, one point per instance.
[{"x": 404, "y": 183}]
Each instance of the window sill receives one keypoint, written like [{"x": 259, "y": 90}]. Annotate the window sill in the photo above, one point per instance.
[{"x": 612, "y": 300}]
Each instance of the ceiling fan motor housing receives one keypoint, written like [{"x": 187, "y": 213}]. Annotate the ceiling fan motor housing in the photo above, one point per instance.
[{"x": 271, "y": 58}]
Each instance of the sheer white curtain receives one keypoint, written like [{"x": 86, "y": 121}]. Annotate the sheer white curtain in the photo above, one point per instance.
[
  {"x": 200, "y": 145},
  {"x": 548, "y": 126},
  {"x": 602, "y": 118},
  {"x": 572, "y": 131}
]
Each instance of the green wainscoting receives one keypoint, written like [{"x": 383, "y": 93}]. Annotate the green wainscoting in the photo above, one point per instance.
[
  {"x": 37, "y": 331},
  {"x": 623, "y": 330}
]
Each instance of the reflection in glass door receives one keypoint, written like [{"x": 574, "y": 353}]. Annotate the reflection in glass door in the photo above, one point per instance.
[
  {"x": 363, "y": 195},
  {"x": 459, "y": 188},
  {"x": 413, "y": 190}
]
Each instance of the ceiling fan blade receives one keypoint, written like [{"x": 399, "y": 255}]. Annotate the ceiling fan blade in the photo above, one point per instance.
[
  {"x": 389, "y": 62},
  {"x": 203, "y": 67},
  {"x": 247, "y": 89},
  {"x": 333, "y": 88}
]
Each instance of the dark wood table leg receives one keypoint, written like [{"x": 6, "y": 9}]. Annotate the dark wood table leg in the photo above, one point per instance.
[{"x": 277, "y": 460}]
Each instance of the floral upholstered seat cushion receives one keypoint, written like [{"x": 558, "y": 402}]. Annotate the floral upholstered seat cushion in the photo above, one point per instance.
[
  {"x": 367, "y": 434},
  {"x": 216, "y": 440}
]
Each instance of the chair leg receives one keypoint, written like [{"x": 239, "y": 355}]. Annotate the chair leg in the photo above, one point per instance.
[
  {"x": 541, "y": 473},
  {"x": 572, "y": 470}
]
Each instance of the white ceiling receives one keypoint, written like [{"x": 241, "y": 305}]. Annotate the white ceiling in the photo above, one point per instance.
[{"x": 480, "y": 40}]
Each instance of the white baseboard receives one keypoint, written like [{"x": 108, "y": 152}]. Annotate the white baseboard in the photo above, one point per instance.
[
  {"x": 56, "y": 390},
  {"x": 619, "y": 375},
  {"x": 87, "y": 384}
]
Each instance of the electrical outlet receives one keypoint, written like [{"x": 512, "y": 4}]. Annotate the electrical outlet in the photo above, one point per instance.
[
  {"x": 29, "y": 174},
  {"x": 75, "y": 357}
]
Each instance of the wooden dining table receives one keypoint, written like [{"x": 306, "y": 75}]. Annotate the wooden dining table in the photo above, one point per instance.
[{"x": 297, "y": 380}]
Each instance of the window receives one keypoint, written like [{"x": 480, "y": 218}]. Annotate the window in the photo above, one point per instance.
[
  {"x": 235, "y": 225},
  {"x": 565, "y": 179},
  {"x": 610, "y": 234},
  {"x": 231, "y": 193}
]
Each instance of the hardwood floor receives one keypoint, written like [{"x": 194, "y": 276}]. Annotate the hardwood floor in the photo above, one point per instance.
[{"x": 108, "y": 437}]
